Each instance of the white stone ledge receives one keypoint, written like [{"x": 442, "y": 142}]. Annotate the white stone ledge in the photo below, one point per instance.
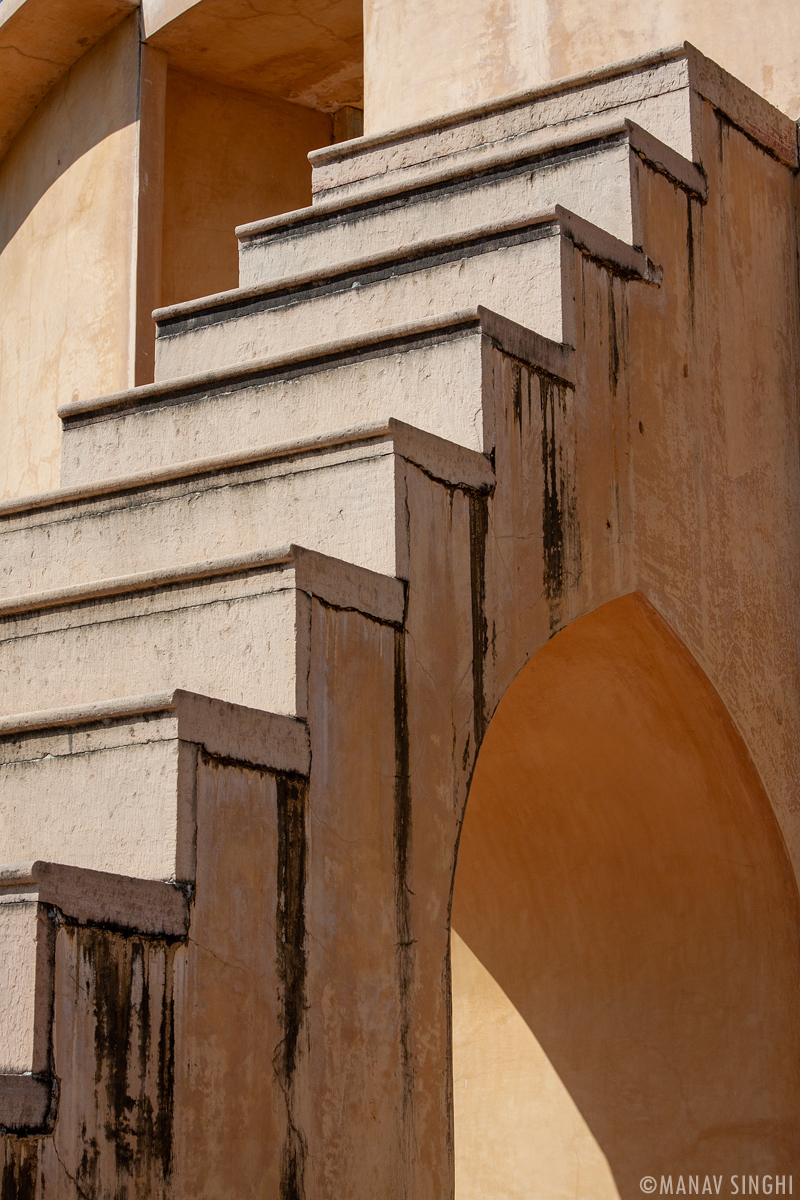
[
  {"x": 375, "y": 595},
  {"x": 578, "y": 135},
  {"x": 767, "y": 125},
  {"x": 145, "y": 906},
  {"x": 262, "y": 739},
  {"x": 362, "y": 264},
  {"x": 552, "y": 221},
  {"x": 515, "y": 339}
]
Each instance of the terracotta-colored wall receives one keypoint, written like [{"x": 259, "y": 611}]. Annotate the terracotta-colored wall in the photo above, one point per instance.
[
  {"x": 423, "y": 59},
  {"x": 626, "y": 974},
  {"x": 67, "y": 203},
  {"x": 230, "y": 157}
]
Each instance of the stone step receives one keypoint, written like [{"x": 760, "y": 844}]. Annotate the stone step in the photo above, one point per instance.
[
  {"x": 347, "y": 498},
  {"x": 523, "y": 269},
  {"x": 662, "y": 92},
  {"x": 236, "y": 627},
  {"x": 112, "y": 786},
  {"x": 591, "y": 168},
  {"x": 33, "y": 896},
  {"x": 440, "y": 375}
]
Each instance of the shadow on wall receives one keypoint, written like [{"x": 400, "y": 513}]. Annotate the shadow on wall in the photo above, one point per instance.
[
  {"x": 626, "y": 975},
  {"x": 94, "y": 100}
]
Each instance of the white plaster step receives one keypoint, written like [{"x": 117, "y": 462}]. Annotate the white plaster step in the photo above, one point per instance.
[
  {"x": 138, "y": 798},
  {"x": 29, "y": 893},
  {"x": 524, "y": 269},
  {"x": 440, "y": 375},
  {"x": 112, "y": 786},
  {"x": 661, "y": 91},
  {"x": 347, "y": 498},
  {"x": 591, "y": 168},
  {"x": 236, "y": 627}
]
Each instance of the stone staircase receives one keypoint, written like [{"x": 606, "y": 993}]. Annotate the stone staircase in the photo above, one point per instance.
[{"x": 326, "y": 529}]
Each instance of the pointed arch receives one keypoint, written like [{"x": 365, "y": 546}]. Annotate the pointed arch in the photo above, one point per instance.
[{"x": 625, "y": 930}]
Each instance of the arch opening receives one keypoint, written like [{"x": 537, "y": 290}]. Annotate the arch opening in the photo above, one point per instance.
[{"x": 625, "y": 930}]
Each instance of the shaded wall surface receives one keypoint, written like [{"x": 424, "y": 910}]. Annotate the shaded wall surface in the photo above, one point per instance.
[
  {"x": 476, "y": 52},
  {"x": 67, "y": 228},
  {"x": 625, "y": 930},
  {"x": 230, "y": 156}
]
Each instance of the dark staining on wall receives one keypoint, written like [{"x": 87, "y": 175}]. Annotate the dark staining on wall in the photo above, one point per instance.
[
  {"x": 131, "y": 983},
  {"x": 561, "y": 551},
  {"x": 20, "y": 1168},
  {"x": 404, "y": 940},
  {"x": 613, "y": 344},
  {"x": 478, "y": 533},
  {"x": 552, "y": 505},
  {"x": 292, "y": 965},
  {"x": 690, "y": 265}
]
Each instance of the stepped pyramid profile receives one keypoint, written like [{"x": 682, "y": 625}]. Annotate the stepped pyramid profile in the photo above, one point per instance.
[{"x": 483, "y": 482}]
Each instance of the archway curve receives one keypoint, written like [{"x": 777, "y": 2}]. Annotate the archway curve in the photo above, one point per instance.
[{"x": 625, "y": 931}]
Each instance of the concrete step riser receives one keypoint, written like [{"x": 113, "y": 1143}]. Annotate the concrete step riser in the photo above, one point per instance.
[
  {"x": 112, "y": 788},
  {"x": 655, "y": 95},
  {"x": 342, "y": 501},
  {"x": 516, "y": 273},
  {"x": 593, "y": 181},
  {"x": 434, "y": 382},
  {"x": 233, "y": 636}
]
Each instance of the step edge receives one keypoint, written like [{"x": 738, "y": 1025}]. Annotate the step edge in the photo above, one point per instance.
[
  {"x": 316, "y": 356},
  {"x": 175, "y": 313},
  {"x": 384, "y": 601},
  {"x": 604, "y": 131},
  {"x": 567, "y": 83},
  {"x": 153, "y": 906},
  {"x": 144, "y": 581},
  {"x": 273, "y": 741},
  {"x": 214, "y": 464}
]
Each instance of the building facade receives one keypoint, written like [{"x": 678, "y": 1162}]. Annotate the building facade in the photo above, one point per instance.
[{"x": 399, "y": 614}]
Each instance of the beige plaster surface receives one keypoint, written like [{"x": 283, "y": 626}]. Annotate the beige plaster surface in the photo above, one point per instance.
[
  {"x": 39, "y": 41},
  {"x": 18, "y": 928},
  {"x": 230, "y": 156},
  {"x": 306, "y": 51},
  {"x": 661, "y": 455},
  {"x": 476, "y": 52},
  {"x": 129, "y": 789},
  {"x": 232, "y": 637},
  {"x": 592, "y": 180},
  {"x": 67, "y": 228},
  {"x": 623, "y": 899},
  {"x": 435, "y": 386},
  {"x": 524, "y": 1133},
  {"x": 341, "y": 501}
]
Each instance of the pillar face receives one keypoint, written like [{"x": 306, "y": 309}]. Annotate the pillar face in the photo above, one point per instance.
[{"x": 477, "y": 52}]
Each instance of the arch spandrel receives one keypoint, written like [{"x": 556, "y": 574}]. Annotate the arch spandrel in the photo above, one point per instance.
[{"x": 625, "y": 929}]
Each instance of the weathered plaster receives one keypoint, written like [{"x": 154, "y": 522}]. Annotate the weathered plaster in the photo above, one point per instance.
[
  {"x": 477, "y": 51},
  {"x": 67, "y": 199},
  {"x": 230, "y": 155}
]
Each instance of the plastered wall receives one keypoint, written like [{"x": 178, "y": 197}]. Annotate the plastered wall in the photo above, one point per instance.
[
  {"x": 230, "y": 157},
  {"x": 67, "y": 228},
  {"x": 423, "y": 59},
  {"x": 625, "y": 975}
]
